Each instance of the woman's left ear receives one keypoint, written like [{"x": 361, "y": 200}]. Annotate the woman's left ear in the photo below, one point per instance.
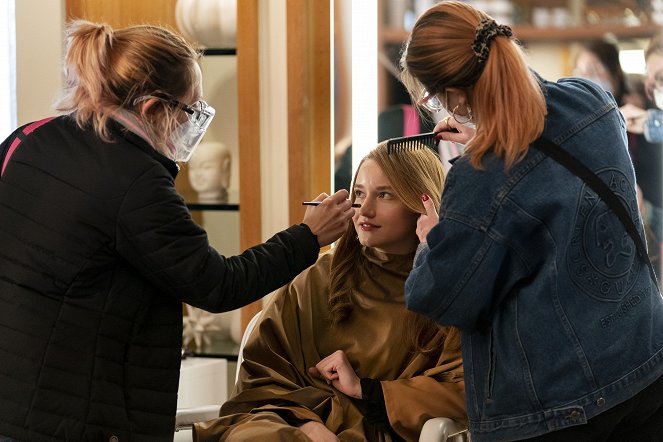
[
  {"x": 144, "y": 106},
  {"x": 458, "y": 95}
]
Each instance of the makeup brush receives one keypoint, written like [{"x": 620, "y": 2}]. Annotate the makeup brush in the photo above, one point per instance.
[{"x": 317, "y": 203}]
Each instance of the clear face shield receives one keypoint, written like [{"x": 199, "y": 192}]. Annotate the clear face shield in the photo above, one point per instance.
[{"x": 187, "y": 135}]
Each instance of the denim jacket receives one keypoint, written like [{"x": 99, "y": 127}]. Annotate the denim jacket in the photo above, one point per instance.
[{"x": 561, "y": 319}]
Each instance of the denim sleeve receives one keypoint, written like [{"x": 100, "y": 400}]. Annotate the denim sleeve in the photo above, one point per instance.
[{"x": 461, "y": 277}]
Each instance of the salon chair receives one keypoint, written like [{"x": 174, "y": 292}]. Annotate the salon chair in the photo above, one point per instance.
[{"x": 439, "y": 429}]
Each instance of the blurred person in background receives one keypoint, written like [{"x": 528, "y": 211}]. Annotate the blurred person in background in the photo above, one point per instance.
[{"x": 598, "y": 61}]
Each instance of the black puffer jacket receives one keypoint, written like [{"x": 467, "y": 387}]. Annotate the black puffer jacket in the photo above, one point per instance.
[{"x": 97, "y": 252}]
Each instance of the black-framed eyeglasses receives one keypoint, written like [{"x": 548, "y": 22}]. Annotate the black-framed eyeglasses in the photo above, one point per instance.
[{"x": 199, "y": 113}]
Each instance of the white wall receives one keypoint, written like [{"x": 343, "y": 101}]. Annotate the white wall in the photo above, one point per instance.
[
  {"x": 273, "y": 102},
  {"x": 39, "y": 46},
  {"x": 7, "y": 72},
  {"x": 548, "y": 59},
  {"x": 220, "y": 90}
]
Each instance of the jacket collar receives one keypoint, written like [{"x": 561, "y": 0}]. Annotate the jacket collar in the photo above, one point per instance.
[{"x": 121, "y": 131}]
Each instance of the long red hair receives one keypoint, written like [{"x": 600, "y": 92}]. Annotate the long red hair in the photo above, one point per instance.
[{"x": 506, "y": 98}]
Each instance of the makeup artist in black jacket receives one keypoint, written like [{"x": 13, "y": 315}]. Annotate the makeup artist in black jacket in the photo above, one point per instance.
[{"x": 98, "y": 251}]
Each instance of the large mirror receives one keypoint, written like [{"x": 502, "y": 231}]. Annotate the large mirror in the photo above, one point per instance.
[{"x": 371, "y": 105}]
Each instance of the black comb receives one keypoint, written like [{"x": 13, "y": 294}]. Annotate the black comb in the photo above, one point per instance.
[{"x": 413, "y": 142}]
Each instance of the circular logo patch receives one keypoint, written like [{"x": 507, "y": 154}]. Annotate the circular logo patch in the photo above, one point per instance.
[{"x": 602, "y": 263}]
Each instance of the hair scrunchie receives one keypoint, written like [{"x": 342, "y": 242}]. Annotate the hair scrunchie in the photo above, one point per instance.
[{"x": 484, "y": 34}]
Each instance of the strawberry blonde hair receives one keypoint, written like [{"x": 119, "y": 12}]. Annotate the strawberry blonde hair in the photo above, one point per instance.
[
  {"x": 411, "y": 174},
  {"x": 507, "y": 102},
  {"x": 106, "y": 70}
]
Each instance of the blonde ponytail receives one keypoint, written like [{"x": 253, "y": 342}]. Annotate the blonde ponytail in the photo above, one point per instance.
[{"x": 87, "y": 46}]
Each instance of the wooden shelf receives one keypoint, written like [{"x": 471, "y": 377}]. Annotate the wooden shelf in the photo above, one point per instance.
[
  {"x": 230, "y": 203},
  {"x": 224, "y": 348},
  {"x": 220, "y": 51},
  {"x": 531, "y": 33},
  {"x": 213, "y": 206},
  {"x": 552, "y": 34}
]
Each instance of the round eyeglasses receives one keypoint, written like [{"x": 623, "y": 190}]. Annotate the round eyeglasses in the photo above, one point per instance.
[{"x": 430, "y": 101}]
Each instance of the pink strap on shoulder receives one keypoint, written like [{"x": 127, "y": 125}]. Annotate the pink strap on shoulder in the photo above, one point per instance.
[
  {"x": 14, "y": 144},
  {"x": 410, "y": 121}
]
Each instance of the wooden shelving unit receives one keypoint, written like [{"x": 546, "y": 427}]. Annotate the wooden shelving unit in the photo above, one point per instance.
[
  {"x": 577, "y": 33},
  {"x": 391, "y": 39},
  {"x": 552, "y": 34}
]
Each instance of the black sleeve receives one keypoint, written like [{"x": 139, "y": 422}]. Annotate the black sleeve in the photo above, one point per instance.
[
  {"x": 156, "y": 235},
  {"x": 373, "y": 406}
]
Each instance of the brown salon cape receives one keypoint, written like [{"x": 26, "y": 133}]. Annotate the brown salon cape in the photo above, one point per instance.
[{"x": 275, "y": 393}]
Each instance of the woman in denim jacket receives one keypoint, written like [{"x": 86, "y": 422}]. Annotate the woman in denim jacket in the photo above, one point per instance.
[{"x": 562, "y": 322}]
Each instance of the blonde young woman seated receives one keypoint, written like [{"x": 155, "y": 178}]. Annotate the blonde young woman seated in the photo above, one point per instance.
[{"x": 336, "y": 355}]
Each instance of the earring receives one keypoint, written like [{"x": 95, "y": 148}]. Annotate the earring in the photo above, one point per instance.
[{"x": 467, "y": 119}]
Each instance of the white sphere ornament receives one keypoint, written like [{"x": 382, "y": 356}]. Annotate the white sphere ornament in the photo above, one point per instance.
[{"x": 211, "y": 23}]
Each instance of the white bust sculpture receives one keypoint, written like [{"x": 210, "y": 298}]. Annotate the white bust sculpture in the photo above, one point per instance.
[{"x": 209, "y": 171}]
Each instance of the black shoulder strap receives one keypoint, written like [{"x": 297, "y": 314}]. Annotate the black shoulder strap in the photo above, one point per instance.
[{"x": 567, "y": 160}]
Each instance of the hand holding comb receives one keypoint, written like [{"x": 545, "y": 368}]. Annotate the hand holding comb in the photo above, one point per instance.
[
  {"x": 412, "y": 142},
  {"x": 428, "y": 139}
]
